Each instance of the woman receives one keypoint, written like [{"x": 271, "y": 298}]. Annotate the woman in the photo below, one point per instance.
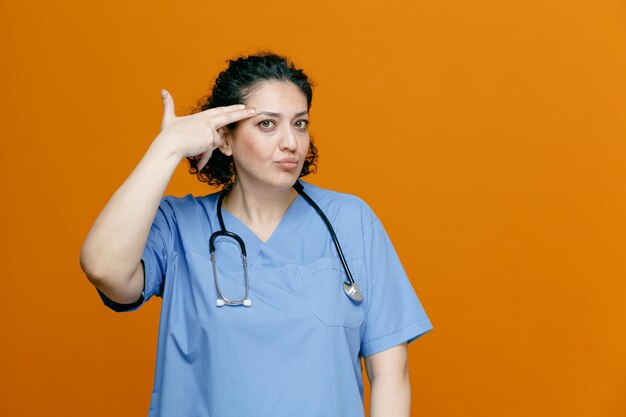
[{"x": 281, "y": 330}]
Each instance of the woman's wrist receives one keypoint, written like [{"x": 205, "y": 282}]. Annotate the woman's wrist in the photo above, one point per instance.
[{"x": 166, "y": 147}]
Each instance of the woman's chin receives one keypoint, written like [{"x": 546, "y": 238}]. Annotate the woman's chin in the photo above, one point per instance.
[
  {"x": 287, "y": 181},
  {"x": 287, "y": 177}
]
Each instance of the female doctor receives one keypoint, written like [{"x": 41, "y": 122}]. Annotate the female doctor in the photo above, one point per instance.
[{"x": 273, "y": 288}]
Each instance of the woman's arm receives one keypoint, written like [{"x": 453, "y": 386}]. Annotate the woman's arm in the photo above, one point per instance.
[
  {"x": 111, "y": 253},
  {"x": 388, "y": 374}
]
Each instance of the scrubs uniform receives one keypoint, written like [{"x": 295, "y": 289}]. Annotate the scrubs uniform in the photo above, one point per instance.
[{"x": 297, "y": 350}]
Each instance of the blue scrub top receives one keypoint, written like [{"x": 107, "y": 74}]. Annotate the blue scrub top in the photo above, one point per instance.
[{"x": 296, "y": 351}]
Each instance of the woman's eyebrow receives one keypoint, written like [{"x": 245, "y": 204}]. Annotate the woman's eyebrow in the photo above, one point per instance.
[{"x": 269, "y": 113}]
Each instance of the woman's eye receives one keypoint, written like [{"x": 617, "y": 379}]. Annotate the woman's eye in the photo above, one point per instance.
[{"x": 268, "y": 123}]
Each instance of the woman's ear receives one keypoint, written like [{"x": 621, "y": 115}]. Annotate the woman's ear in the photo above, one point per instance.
[{"x": 226, "y": 136}]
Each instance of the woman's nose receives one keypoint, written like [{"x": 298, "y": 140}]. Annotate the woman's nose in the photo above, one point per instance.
[{"x": 289, "y": 140}]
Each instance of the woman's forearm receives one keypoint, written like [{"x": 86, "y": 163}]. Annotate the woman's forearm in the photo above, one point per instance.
[{"x": 390, "y": 396}]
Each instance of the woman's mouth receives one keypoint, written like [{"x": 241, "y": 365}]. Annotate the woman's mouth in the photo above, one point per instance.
[{"x": 288, "y": 163}]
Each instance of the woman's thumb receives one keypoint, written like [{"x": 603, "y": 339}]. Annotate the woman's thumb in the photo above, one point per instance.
[{"x": 168, "y": 105}]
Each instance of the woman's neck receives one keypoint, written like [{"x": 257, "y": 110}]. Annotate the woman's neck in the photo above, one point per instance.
[{"x": 259, "y": 208}]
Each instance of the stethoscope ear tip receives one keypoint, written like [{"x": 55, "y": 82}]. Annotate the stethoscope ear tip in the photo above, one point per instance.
[{"x": 220, "y": 302}]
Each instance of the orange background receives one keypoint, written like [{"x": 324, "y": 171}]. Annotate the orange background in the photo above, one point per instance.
[{"x": 489, "y": 137}]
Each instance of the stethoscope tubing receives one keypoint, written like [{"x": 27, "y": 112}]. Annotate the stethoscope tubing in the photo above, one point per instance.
[
  {"x": 298, "y": 187},
  {"x": 351, "y": 288}
]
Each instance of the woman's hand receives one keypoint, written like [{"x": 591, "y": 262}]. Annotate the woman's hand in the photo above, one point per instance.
[{"x": 199, "y": 133}]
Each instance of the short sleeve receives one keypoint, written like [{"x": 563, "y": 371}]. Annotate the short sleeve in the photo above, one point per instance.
[
  {"x": 394, "y": 313},
  {"x": 157, "y": 252}
]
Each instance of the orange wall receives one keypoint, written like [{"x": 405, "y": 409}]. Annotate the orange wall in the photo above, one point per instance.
[{"x": 489, "y": 136}]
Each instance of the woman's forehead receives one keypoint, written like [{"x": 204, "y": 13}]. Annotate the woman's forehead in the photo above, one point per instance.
[{"x": 277, "y": 94}]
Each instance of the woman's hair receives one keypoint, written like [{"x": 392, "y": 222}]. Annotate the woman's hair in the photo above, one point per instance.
[{"x": 232, "y": 86}]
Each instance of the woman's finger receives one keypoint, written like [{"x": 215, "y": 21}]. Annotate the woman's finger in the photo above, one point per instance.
[
  {"x": 224, "y": 119},
  {"x": 219, "y": 110},
  {"x": 216, "y": 143},
  {"x": 203, "y": 161}
]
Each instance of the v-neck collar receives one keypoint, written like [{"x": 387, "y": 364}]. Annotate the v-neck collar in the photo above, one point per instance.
[
  {"x": 273, "y": 236},
  {"x": 282, "y": 234}
]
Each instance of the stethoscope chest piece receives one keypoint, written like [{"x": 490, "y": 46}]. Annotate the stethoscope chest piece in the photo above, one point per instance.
[{"x": 353, "y": 291}]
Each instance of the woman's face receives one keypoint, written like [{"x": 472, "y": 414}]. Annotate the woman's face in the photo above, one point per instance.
[{"x": 270, "y": 147}]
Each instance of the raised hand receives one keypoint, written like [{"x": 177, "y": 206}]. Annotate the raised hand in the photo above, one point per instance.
[{"x": 199, "y": 133}]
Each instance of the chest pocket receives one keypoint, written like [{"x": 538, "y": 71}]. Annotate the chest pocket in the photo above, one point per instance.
[{"x": 323, "y": 281}]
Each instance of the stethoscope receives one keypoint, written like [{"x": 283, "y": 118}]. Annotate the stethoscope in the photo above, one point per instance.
[{"x": 351, "y": 288}]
